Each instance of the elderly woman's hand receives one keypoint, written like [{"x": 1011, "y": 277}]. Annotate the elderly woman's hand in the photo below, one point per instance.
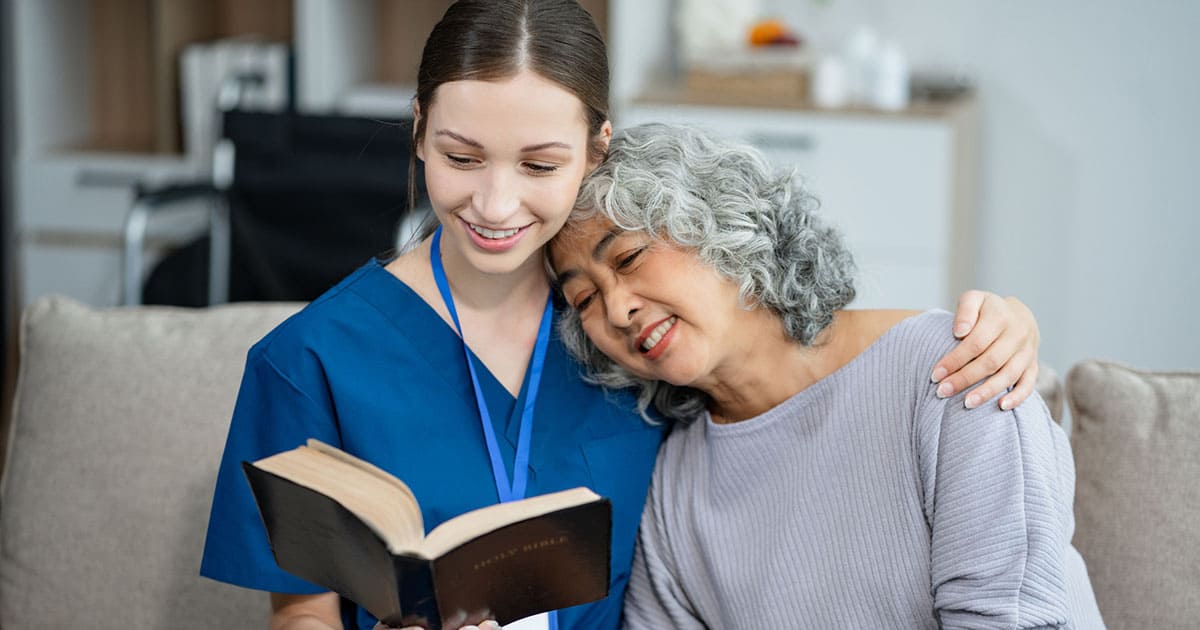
[{"x": 999, "y": 339}]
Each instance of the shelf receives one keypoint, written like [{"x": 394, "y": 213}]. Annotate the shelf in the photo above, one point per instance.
[{"x": 677, "y": 95}]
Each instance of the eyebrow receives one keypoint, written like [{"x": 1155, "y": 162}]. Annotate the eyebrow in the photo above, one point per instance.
[
  {"x": 463, "y": 139},
  {"x": 604, "y": 242},
  {"x": 546, "y": 145},
  {"x": 597, "y": 255},
  {"x": 526, "y": 149}
]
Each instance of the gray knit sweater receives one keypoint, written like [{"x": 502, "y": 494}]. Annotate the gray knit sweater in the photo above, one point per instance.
[{"x": 865, "y": 501}]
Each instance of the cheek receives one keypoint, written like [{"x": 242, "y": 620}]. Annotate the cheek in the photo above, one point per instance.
[
  {"x": 556, "y": 198},
  {"x": 610, "y": 344},
  {"x": 445, "y": 185}
]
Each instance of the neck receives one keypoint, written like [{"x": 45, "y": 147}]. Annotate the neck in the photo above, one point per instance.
[
  {"x": 476, "y": 290},
  {"x": 769, "y": 368}
]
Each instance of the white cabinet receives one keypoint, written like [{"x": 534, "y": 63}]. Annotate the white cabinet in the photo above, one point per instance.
[{"x": 897, "y": 185}]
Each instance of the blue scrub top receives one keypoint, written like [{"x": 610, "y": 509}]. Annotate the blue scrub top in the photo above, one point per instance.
[{"x": 373, "y": 369}]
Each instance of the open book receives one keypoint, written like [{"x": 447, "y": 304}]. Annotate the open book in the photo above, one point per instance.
[{"x": 348, "y": 526}]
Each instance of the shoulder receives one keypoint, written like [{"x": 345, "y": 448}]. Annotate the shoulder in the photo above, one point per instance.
[
  {"x": 345, "y": 313},
  {"x": 930, "y": 331},
  {"x": 914, "y": 344}
]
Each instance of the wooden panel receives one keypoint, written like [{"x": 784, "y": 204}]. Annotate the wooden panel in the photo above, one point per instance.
[
  {"x": 122, "y": 95},
  {"x": 402, "y": 27},
  {"x": 176, "y": 23},
  {"x": 270, "y": 20}
]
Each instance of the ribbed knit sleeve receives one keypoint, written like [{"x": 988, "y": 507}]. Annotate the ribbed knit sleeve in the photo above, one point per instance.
[
  {"x": 999, "y": 513},
  {"x": 655, "y": 598}
]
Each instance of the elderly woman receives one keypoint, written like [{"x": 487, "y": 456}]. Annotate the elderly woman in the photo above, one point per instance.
[{"x": 814, "y": 478}]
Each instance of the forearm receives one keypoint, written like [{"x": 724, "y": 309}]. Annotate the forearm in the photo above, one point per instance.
[
  {"x": 305, "y": 612},
  {"x": 302, "y": 622}
]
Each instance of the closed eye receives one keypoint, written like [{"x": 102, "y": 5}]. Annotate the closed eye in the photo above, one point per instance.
[
  {"x": 540, "y": 169},
  {"x": 459, "y": 160},
  {"x": 627, "y": 260},
  {"x": 585, "y": 302}
]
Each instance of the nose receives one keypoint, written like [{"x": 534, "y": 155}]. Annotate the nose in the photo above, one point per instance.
[
  {"x": 621, "y": 305},
  {"x": 497, "y": 198}
]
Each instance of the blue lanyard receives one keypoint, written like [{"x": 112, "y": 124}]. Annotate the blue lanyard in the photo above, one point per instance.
[
  {"x": 506, "y": 491},
  {"x": 521, "y": 462}
]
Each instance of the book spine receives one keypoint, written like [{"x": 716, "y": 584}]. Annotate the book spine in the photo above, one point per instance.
[
  {"x": 315, "y": 538},
  {"x": 418, "y": 599}
]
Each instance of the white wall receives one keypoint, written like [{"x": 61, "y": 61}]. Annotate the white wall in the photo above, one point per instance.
[{"x": 1091, "y": 159}]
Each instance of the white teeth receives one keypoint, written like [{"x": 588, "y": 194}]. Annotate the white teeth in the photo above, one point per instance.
[
  {"x": 657, "y": 334},
  {"x": 486, "y": 233}
]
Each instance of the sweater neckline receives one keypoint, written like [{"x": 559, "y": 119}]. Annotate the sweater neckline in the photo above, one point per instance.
[{"x": 808, "y": 395}]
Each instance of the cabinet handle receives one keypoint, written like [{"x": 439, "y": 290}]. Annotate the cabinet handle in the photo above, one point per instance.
[{"x": 783, "y": 141}]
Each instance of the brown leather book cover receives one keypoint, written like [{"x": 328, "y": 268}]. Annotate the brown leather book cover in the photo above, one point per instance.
[{"x": 544, "y": 562}]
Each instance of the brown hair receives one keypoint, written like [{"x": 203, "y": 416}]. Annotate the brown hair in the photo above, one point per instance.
[{"x": 489, "y": 40}]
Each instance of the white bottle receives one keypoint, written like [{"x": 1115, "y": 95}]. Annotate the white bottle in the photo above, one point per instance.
[
  {"x": 891, "y": 81},
  {"x": 830, "y": 87},
  {"x": 862, "y": 51}
]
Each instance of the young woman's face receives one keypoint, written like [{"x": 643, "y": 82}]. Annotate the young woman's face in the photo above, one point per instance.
[
  {"x": 651, "y": 306},
  {"x": 503, "y": 163}
]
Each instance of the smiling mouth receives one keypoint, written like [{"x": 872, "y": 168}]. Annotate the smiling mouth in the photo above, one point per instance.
[
  {"x": 657, "y": 334},
  {"x": 492, "y": 234}
]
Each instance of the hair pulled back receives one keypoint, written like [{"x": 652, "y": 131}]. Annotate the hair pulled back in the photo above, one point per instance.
[{"x": 488, "y": 40}]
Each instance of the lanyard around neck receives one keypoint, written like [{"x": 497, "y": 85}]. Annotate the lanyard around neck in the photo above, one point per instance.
[{"x": 515, "y": 490}]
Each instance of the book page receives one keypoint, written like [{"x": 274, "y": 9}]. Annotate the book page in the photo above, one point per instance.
[
  {"x": 466, "y": 527},
  {"x": 381, "y": 501}
]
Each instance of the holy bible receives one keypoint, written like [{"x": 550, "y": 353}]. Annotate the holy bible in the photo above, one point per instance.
[{"x": 346, "y": 525}]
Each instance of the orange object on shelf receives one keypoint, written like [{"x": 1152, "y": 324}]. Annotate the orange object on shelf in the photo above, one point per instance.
[{"x": 767, "y": 32}]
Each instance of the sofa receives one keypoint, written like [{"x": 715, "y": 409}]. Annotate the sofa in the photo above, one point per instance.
[{"x": 120, "y": 419}]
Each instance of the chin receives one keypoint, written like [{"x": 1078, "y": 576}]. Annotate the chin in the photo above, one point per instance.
[{"x": 499, "y": 264}]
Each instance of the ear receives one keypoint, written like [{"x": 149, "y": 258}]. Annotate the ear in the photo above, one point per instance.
[
  {"x": 606, "y": 131},
  {"x": 420, "y": 150}
]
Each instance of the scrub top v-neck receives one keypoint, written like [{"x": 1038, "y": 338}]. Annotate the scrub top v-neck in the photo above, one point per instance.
[{"x": 373, "y": 369}]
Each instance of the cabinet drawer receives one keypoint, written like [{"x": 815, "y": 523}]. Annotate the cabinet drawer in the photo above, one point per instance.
[{"x": 87, "y": 193}]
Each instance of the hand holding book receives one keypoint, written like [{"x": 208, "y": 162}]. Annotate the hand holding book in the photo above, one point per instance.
[
  {"x": 487, "y": 625},
  {"x": 354, "y": 529}
]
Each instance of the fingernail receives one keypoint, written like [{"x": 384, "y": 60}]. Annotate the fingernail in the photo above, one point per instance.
[
  {"x": 945, "y": 389},
  {"x": 939, "y": 373},
  {"x": 972, "y": 401},
  {"x": 961, "y": 328},
  {"x": 1006, "y": 404}
]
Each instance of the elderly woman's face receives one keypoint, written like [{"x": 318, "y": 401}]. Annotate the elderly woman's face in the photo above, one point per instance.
[{"x": 653, "y": 307}]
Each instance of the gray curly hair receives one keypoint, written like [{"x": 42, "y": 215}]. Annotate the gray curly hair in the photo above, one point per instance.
[{"x": 753, "y": 225}]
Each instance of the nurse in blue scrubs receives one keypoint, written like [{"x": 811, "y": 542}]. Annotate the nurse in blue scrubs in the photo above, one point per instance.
[{"x": 441, "y": 365}]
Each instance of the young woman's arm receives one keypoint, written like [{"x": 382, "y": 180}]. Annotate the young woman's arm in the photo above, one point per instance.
[
  {"x": 305, "y": 612},
  {"x": 999, "y": 342}
]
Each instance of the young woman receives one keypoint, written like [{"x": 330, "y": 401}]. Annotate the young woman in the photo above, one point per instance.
[
  {"x": 511, "y": 114},
  {"x": 822, "y": 483}
]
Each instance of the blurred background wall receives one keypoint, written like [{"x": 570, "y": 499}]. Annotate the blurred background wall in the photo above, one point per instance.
[
  {"x": 1090, "y": 192},
  {"x": 1084, "y": 197}
]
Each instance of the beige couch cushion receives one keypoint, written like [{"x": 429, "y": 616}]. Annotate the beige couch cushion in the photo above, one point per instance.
[
  {"x": 1136, "y": 438},
  {"x": 1050, "y": 388},
  {"x": 119, "y": 424}
]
